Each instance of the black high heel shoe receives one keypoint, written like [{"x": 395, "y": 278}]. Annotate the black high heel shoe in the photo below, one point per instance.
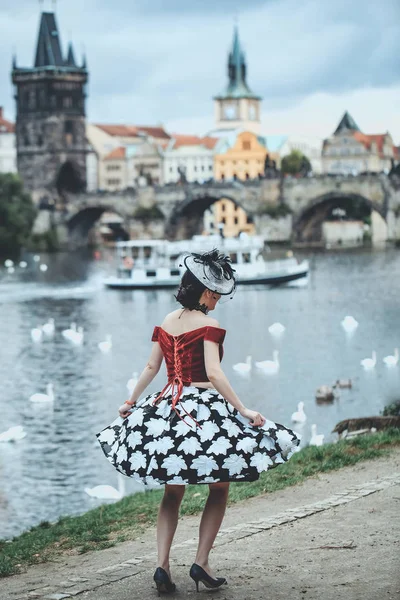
[
  {"x": 199, "y": 574},
  {"x": 163, "y": 582}
]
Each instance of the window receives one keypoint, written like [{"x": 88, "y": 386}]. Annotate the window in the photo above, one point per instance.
[
  {"x": 246, "y": 145},
  {"x": 223, "y": 220},
  {"x": 113, "y": 181},
  {"x": 233, "y": 257},
  {"x": 175, "y": 272},
  {"x": 202, "y": 168},
  {"x": 210, "y": 168},
  {"x": 171, "y": 169},
  {"x": 151, "y": 273},
  {"x": 67, "y": 102},
  {"x": 69, "y": 132},
  {"x": 195, "y": 169},
  {"x": 222, "y": 206},
  {"x": 236, "y": 220}
]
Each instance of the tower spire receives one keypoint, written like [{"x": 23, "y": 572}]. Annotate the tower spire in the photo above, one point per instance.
[{"x": 48, "y": 50}]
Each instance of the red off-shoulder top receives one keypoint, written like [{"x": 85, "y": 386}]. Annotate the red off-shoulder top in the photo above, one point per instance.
[{"x": 184, "y": 357}]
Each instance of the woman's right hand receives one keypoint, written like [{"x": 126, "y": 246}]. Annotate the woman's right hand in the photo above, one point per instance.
[
  {"x": 256, "y": 418},
  {"x": 125, "y": 410}
]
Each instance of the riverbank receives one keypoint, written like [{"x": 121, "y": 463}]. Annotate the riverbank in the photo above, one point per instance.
[{"x": 112, "y": 524}]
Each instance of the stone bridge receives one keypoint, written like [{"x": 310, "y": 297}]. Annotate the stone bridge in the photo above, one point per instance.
[{"x": 307, "y": 202}]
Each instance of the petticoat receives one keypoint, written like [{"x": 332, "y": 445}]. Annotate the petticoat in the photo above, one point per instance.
[{"x": 154, "y": 446}]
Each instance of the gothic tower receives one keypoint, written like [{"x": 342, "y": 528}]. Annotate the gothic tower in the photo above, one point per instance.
[
  {"x": 50, "y": 125},
  {"x": 237, "y": 106}
]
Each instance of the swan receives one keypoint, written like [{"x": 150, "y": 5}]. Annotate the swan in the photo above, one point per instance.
[
  {"x": 69, "y": 333},
  {"x": 43, "y": 267},
  {"x": 369, "y": 363},
  {"x": 8, "y": 263},
  {"x": 349, "y": 324},
  {"x": 130, "y": 386},
  {"x": 106, "y": 492},
  {"x": 107, "y": 345},
  {"x": 23, "y": 264},
  {"x": 37, "y": 334},
  {"x": 41, "y": 398},
  {"x": 270, "y": 366},
  {"x": 77, "y": 336},
  {"x": 48, "y": 328},
  {"x": 276, "y": 329},
  {"x": 13, "y": 434},
  {"x": 391, "y": 361},
  {"x": 317, "y": 439},
  {"x": 243, "y": 368},
  {"x": 299, "y": 416}
]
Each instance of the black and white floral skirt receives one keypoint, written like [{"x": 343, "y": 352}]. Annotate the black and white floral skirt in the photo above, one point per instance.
[{"x": 154, "y": 446}]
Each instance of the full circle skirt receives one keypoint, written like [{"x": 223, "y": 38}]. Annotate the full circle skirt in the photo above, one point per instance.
[{"x": 153, "y": 445}]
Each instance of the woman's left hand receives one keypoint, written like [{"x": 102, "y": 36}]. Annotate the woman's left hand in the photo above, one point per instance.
[{"x": 125, "y": 410}]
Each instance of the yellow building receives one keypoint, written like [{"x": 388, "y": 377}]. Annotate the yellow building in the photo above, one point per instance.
[
  {"x": 228, "y": 215},
  {"x": 244, "y": 160}
]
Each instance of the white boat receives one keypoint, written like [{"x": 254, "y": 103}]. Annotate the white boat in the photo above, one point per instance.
[{"x": 157, "y": 264}]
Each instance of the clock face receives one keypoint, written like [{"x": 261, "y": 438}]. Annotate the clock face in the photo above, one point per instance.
[{"x": 230, "y": 111}]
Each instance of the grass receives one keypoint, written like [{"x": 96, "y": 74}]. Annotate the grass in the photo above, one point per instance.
[{"x": 110, "y": 524}]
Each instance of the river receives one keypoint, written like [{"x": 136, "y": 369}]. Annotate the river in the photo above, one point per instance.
[{"x": 44, "y": 475}]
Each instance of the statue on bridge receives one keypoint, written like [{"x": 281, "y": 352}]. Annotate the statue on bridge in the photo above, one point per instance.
[
  {"x": 182, "y": 175},
  {"x": 270, "y": 169}
]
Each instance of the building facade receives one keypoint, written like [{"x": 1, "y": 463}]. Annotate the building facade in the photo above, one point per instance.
[
  {"x": 237, "y": 106},
  {"x": 226, "y": 216},
  {"x": 190, "y": 157},
  {"x": 242, "y": 158},
  {"x": 349, "y": 151},
  {"x": 8, "y": 153},
  {"x": 50, "y": 126}
]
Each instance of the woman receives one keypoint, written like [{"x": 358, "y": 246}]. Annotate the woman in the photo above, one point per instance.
[{"x": 196, "y": 430}]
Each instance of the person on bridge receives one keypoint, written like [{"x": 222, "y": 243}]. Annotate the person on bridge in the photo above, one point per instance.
[{"x": 196, "y": 430}]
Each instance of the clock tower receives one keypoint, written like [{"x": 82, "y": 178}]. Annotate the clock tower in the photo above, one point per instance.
[{"x": 237, "y": 107}]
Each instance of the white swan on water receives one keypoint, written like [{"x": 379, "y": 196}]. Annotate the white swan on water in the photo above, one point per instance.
[
  {"x": 276, "y": 329},
  {"x": 69, "y": 333},
  {"x": 369, "y": 363},
  {"x": 392, "y": 360},
  {"x": 108, "y": 492},
  {"x": 243, "y": 368},
  {"x": 349, "y": 324},
  {"x": 270, "y": 366},
  {"x": 107, "y": 345},
  {"x": 37, "y": 334},
  {"x": 317, "y": 439},
  {"x": 8, "y": 263},
  {"x": 77, "y": 336},
  {"x": 299, "y": 416},
  {"x": 48, "y": 328},
  {"x": 41, "y": 398},
  {"x": 13, "y": 434}
]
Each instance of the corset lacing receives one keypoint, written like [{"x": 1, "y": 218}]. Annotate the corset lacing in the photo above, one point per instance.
[{"x": 175, "y": 387}]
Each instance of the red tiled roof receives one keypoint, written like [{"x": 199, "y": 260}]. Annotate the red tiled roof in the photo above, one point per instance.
[
  {"x": 5, "y": 126},
  {"x": 368, "y": 139},
  {"x": 193, "y": 140},
  {"x": 134, "y": 131},
  {"x": 116, "y": 154}
]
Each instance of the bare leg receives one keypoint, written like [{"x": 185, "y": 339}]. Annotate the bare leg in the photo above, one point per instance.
[
  {"x": 210, "y": 523},
  {"x": 167, "y": 522}
]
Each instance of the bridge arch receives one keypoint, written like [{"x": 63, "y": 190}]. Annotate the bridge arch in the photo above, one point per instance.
[
  {"x": 186, "y": 219},
  {"x": 307, "y": 225},
  {"x": 82, "y": 222}
]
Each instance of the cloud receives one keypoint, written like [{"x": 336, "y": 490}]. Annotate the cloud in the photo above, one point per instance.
[{"x": 160, "y": 61}]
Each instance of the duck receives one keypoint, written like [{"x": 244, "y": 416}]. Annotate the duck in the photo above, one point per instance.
[
  {"x": 317, "y": 439},
  {"x": 299, "y": 416},
  {"x": 392, "y": 360},
  {"x": 369, "y": 363},
  {"x": 343, "y": 383},
  {"x": 107, "y": 345},
  {"x": 130, "y": 386},
  {"x": 349, "y": 324},
  {"x": 243, "y": 368},
  {"x": 37, "y": 334},
  {"x": 276, "y": 329},
  {"x": 270, "y": 366},
  {"x": 48, "y": 328},
  {"x": 325, "y": 394},
  {"x": 69, "y": 333},
  {"x": 13, "y": 434},
  {"x": 108, "y": 492},
  {"x": 42, "y": 398}
]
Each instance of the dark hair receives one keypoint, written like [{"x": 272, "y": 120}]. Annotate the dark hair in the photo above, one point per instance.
[{"x": 190, "y": 291}]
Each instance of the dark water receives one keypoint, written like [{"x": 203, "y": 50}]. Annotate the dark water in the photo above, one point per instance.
[{"x": 44, "y": 475}]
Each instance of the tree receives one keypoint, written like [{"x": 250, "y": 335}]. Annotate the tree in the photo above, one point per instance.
[
  {"x": 295, "y": 163},
  {"x": 17, "y": 215}
]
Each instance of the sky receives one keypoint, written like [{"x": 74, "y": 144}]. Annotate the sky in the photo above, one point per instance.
[{"x": 162, "y": 61}]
